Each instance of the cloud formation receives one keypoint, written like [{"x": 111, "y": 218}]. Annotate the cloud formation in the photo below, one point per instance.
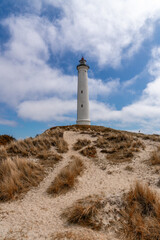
[
  {"x": 7, "y": 122},
  {"x": 27, "y": 80},
  {"x": 48, "y": 109},
  {"x": 106, "y": 31},
  {"x": 145, "y": 111}
]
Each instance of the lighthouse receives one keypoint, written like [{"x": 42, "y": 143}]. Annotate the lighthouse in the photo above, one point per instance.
[{"x": 82, "y": 94}]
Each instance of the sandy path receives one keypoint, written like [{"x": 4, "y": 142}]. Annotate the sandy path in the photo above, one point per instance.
[{"x": 37, "y": 215}]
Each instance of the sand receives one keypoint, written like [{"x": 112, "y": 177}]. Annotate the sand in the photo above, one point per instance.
[{"x": 37, "y": 215}]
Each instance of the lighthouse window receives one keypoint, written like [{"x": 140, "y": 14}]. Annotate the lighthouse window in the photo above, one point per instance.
[
  {"x": 81, "y": 91},
  {"x": 81, "y": 105}
]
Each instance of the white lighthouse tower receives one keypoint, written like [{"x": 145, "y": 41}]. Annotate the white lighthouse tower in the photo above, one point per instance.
[{"x": 82, "y": 95}]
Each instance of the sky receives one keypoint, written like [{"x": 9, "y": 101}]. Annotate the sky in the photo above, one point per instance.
[{"x": 41, "y": 43}]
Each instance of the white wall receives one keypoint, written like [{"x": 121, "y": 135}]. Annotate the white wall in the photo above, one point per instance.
[{"x": 83, "y": 96}]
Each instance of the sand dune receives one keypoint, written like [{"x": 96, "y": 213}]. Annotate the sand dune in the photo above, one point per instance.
[{"x": 39, "y": 215}]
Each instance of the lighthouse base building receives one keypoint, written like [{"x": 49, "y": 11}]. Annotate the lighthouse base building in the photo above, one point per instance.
[{"x": 82, "y": 94}]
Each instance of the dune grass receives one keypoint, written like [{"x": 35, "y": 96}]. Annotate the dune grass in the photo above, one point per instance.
[
  {"x": 71, "y": 235},
  {"x": 81, "y": 143},
  {"x": 152, "y": 137},
  {"x": 67, "y": 177},
  {"x": 84, "y": 212},
  {"x": 89, "y": 152},
  {"x": 119, "y": 147},
  {"x": 155, "y": 158},
  {"x": 3, "y": 153},
  {"x": 31, "y": 147},
  {"x": 141, "y": 215},
  {"x": 62, "y": 145},
  {"x": 48, "y": 159},
  {"x": 5, "y": 139},
  {"x": 18, "y": 176}
]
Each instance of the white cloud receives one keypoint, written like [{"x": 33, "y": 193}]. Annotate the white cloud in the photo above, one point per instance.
[
  {"x": 7, "y": 122},
  {"x": 32, "y": 87},
  {"x": 99, "y": 88},
  {"x": 154, "y": 64},
  {"x": 130, "y": 82},
  {"x": 145, "y": 111},
  {"x": 48, "y": 110},
  {"x": 27, "y": 39},
  {"x": 24, "y": 72},
  {"x": 105, "y": 30},
  {"x": 26, "y": 79}
]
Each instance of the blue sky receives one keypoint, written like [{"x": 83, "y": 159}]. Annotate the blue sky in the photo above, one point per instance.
[{"x": 41, "y": 42}]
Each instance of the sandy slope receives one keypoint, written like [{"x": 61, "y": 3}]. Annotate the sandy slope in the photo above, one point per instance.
[{"x": 37, "y": 215}]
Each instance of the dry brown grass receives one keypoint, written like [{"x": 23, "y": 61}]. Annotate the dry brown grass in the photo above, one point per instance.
[
  {"x": 17, "y": 176},
  {"x": 81, "y": 143},
  {"x": 5, "y": 139},
  {"x": 141, "y": 215},
  {"x": 116, "y": 157},
  {"x": 62, "y": 145},
  {"x": 119, "y": 147},
  {"x": 153, "y": 137},
  {"x": 3, "y": 153},
  {"x": 155, "y": 158},
  {"x": 48, "y": 159},
  {"x": 57, "y": 132},
  {"x": 90, "y": 152},
  {"x": 70, "y": 235},
  {"x": 85, "y": 129},
  {"x": 67, "y": 177},
  {"x": 84, "y": 212},
  {"x": 129, "y": 168},
  {"x": 33, "y": 146},
  {"x": 18, "y": 148},
  {"x": 30, "y": 146},
  {"x": 59, "y": 142}
]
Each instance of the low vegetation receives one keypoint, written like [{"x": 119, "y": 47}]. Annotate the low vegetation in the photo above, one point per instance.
[
  {"x": 129, "y": 168},
  {"x": 5, "y": 139},
  {"x": 155, "y": 158},
  {"x": 3, "y": 153},
  {"x": 119, "y": 147},
  {"x": 153, "y": 137},
  {"x": 67, "y": 177},
  {"x": 90, "y": 152},
  {"x": 48, "y": 159},
  {"x": 35, "y": 146},
  {"x": 18, "y": 176},
  {"x": 81, "y": 143},
  {"x": 71, "y": 235},
  {"x": 62, "y": 145},
  {"x": 84, "y": 212},
  {"x": 141, "y": 216}
]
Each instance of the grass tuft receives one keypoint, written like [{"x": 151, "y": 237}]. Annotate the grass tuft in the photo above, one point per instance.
[
  {"x": 84, "y": 212},
  {"x": 141, "y": 215},
  {"x": 62, "y": 145},
  {"x": 129, "y": 168},
  {"x": 81, "y": 143},
  {"x": 70, "y": 235},
  {"x": 6, "y": 139},
  {"x": 155, "y": 158},
  {"x": 48, "y": 159},
  {"x": 17, "y": 176},
  {"x": 34, "y": 146},
  {"x": 90, "y": 152},
  {"x": 119, "y": 147},
  {"x": 3, "y": 153},
  {"x": 67, "y": 177}
]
